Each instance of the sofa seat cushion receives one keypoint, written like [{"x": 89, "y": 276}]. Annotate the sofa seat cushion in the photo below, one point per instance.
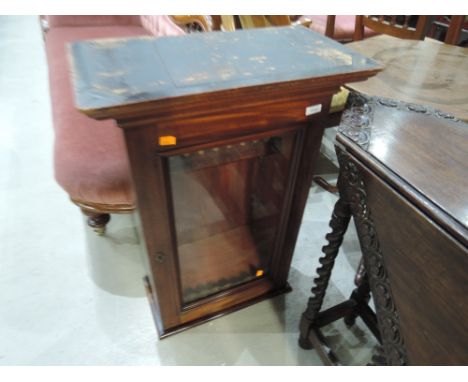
[
  {"x": 90, "y": 157},
  {"x": 344, "y": 26}
]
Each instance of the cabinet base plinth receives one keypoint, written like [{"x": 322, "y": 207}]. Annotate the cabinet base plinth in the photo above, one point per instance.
[{"x": 163, "y": 333}]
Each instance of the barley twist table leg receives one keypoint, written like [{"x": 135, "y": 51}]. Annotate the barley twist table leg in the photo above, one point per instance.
[{"x": 339, "y": 223}]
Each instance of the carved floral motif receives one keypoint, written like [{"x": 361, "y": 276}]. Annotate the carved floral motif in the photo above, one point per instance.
[
  {"x": 356, "y": 121},
  {"x": 353, "y": 191}
]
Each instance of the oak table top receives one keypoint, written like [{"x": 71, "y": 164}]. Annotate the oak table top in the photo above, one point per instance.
[
  {"x": 411, "y": 141},
  {"x": 422, "y": 72}
]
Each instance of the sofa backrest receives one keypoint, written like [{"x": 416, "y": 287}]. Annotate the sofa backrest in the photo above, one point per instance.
[{"x": 157, "y": 25}]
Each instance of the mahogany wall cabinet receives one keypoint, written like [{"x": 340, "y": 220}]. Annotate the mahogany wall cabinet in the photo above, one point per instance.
[{"x": 222, "y": 131}]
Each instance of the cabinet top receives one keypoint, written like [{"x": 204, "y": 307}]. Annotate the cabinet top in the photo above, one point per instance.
[
  {"x": 115, "y": 73},
  {"x": 423, "y": 152}
]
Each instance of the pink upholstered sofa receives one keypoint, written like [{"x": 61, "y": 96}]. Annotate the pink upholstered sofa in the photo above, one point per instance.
[{"x": 90, "y": 158}]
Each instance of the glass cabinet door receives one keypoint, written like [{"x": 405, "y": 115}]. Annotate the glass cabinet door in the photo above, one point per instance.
[{"x": 227, "y": 204}]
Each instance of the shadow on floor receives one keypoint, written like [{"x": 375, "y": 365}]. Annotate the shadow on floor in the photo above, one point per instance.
[{"x": 114, "y": 259}]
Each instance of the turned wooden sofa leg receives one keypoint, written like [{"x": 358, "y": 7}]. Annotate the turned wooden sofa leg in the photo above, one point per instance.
[
  {"x": 97, "y": 221},
  {"x": 98, "y": 214}
]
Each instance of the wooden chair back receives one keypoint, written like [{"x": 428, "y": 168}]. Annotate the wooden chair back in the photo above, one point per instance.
[
  {"x": 230, "y": 23},
  {"x": 193, "y": 23},
  {"x": 454, "y": 30},
  {"x": 396, "y": 26}
]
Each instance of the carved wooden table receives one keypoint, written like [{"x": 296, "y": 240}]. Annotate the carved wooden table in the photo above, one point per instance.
[
  {"x": 222, "y": 132},
  {"x": 404, "y": 179},
  {"x": 423, "y": 72}
]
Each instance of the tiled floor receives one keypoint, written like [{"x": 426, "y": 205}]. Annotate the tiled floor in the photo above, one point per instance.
[{"x": 69, "y": 297}]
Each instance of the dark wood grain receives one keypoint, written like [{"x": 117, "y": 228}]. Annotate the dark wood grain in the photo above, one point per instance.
[{"x": 220, "y": 206}]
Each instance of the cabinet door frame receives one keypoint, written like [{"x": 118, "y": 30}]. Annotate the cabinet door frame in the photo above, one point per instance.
[{"x": 298, "y": 134}]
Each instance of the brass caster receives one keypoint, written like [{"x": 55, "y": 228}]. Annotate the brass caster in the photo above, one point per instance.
[
  {"x": 100, "y": 231},
  {"x": 98, "y": 222}
]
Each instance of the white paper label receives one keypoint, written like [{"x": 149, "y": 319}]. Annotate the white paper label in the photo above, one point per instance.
[{"x": 313, "y": 109}]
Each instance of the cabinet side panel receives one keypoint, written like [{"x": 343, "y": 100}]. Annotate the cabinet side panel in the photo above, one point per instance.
[
  {"x": 301, "y": 183},
  {"x": 153, "y": 204}
]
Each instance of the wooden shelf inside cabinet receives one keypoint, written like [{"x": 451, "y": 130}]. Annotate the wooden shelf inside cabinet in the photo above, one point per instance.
[
  {"x": 204, "y": 275},
  {"x": 222, "y": 131}
]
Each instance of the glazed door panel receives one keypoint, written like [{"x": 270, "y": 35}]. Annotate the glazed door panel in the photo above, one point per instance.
[{"x": 227, "y": 205}]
